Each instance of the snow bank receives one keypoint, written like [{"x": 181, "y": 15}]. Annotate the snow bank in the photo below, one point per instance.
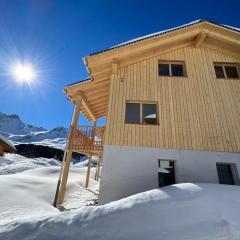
[
  {"x": 182, "y": 211},
  {"x": 13, "y": 163},
  {"x": 27, "y": 192}
]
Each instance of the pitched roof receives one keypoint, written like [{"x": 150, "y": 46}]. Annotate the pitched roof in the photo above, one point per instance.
[
  {"x": 100, "y": 65},
  {"x": 163, "y": 32},
  {"x": 7, "y": 145}
]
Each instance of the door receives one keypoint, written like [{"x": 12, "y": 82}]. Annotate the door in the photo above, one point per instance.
[
  {"x": 225, "y": 175},
  {"x": 166, "y": 172}
]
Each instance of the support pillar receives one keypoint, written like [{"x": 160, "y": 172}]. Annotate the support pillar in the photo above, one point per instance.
[
  {"x": 88, "y": 171},
  {"x": 63, "y": 176},
  {"x": 98, "y": 169}
]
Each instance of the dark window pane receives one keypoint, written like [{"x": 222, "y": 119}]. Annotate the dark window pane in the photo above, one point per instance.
[
  {"x": 177, "y": 70},
  {"x": 132, "y": 113},
  {"x": 219, "y": 71},
  {"x": 149, "y": 113},
  {"x": 231, "y": 72},
  {"x": 163, "y": 69},
  {"x": 225, "y": 174}
]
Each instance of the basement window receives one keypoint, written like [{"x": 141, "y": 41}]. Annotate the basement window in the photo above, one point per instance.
[
  {"x": 141, "y": 113},
  {"x": 226, "y": 70},
  {"x": 171, "y": 69}
]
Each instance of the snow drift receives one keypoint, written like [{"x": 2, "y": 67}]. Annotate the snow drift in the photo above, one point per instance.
[{"x": 182, "y": 211}]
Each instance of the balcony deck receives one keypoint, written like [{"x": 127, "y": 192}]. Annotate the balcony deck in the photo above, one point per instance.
[{"x": 88, "y": 140}]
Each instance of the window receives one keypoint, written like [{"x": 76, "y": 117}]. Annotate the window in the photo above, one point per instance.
[
  {"x": 172, "y": 69},
  {"x": 225, "y": 173},
  {"x": 166, "y": 172},
  {"x": 133, "y": 113},
  {"x": 149, "y": 114},
  {"x": 226, "y": 70},
  {"x": 141, "y": 113}
]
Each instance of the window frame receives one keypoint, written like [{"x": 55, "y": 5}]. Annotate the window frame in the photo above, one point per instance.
[
  {"x": 223, "y": 65},
  {"x": 170, "y": 63},
  {"x": 141, "y": 103}
]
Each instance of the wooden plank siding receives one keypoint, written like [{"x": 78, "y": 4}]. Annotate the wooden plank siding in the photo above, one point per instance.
[{"x": 197, "y": 112}]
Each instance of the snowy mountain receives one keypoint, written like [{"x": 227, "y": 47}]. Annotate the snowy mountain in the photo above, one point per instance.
[{"x": 12, "y": 127}]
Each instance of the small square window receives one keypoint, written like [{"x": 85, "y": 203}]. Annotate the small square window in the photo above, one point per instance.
[
  {"x": 149, "y": 114},
  {"x": 226, "y": 70},
  {"x": 164, "y": 69},
  {"x": 177, "y": 70},
  {"x": 132, "y": 113},
  {"x": 219, "y": 71},
  {"x": 141, "y": 113},
  {"x": 231, "y": 72}
]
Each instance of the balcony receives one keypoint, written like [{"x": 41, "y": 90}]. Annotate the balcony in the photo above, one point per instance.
[{"x": 88, "y": 140}]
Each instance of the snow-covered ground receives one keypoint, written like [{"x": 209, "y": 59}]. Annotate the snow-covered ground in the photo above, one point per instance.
[
  {"x": 27, "y": 188},
  {"x": 182, "y": 211}
]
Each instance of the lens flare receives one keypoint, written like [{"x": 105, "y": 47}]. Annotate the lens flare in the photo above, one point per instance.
[{"x": 24, "y": 72}]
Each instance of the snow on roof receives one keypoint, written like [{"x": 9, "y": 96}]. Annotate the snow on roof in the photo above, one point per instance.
[
  {"x": 156, "y": 33},
  {"x": 6, "y": 141},
  {"x": 163, "y": 32}
]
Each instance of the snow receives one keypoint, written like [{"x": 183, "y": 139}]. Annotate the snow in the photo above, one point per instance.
[
  {"x": 182, "y": 211},
  {"x": 17, "y": 132},
  {"x": 155, "y": 34},
  {"x": 13, "y": 163},
  {"x": 27, "y": 187},
  {"x": 235, "y": 28}
]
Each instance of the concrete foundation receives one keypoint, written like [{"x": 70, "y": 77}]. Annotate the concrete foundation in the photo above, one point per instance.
[{"x": 130, "y": 170}]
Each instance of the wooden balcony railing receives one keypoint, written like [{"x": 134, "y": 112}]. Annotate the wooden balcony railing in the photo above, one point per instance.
[{"x": 88, "y": 140}]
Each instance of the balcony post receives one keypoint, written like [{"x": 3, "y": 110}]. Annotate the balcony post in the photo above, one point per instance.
[
  {"x": 98, "y": 169},
  {"x": 63, "y": 176},
  {"x": 90, "y": 158}
]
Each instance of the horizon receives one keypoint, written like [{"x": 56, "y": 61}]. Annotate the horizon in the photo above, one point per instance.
[{"x": 54, "y": 36}]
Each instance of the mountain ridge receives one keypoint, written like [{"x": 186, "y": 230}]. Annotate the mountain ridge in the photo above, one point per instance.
[{"x": 12, "y": 127}]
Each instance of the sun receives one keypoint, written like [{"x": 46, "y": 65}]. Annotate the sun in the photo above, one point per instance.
[{"x": 24, "y": 72}]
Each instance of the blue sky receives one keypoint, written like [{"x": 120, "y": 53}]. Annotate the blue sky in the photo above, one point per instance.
[{"x": 54, "y": 35}]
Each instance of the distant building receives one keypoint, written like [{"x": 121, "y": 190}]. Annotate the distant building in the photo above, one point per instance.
[
  {"x": 6, "y": 146},
  {"x": 172, "y": 105}
]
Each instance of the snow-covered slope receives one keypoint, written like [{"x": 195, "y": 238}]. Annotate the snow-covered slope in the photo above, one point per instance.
[
  {"x": 12, "y": 127},
  {"x": 14, "y": 163},
  {"x": 27, "y": 188},
  {"x": 182, "y": 211}
]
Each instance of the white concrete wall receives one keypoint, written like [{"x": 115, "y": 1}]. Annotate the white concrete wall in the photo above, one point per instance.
[{"x": 130, "y": 170}]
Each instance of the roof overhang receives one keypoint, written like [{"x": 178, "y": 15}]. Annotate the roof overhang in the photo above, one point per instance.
[
  {"x": 6, "y": 146},
  {"x": 102, "y": 64}
]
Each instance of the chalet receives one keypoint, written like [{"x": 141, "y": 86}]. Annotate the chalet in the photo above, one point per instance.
[
  {"x": 172, "y": 107},
  {"x": 6, "y": 146}
]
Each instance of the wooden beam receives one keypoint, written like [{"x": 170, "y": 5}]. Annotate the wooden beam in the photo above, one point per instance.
[
  {"x": 143, "y": 46},
  {"x": 87, "y": 106},
  {"x": 114, "y": 66},
  {"x": 200, "y": 39},
  {"x": 63, "y": 175},
  {"x": 225, "y": 39},
  {"x": 88, "y": 171},
  {"x": 94, "y": 97}
]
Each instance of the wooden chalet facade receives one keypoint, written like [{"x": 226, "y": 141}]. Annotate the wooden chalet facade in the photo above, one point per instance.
[
  {"x": 6, "y": 146},
  {"x": 172, "y": 105}
]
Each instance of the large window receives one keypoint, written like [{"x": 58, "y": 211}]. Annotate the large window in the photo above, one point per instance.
[
  {"x": 141, "y": 113},
  {"x": 171, "y": 69},
  {"x": 226, "y": 70}
]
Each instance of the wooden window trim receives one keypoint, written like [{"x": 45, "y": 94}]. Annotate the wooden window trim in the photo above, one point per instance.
[
  {"x": 183, "y": 63},
  {"x": 141, "y": 112},
  {"x": 226, "y": 64}
]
